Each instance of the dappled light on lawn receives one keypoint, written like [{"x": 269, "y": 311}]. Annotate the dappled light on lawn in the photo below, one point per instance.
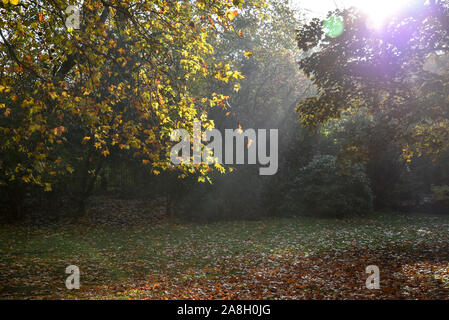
[{"x": 295, "y": 258}]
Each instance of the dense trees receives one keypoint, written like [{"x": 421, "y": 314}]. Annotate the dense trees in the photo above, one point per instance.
[{"x": 89, "y": 108}]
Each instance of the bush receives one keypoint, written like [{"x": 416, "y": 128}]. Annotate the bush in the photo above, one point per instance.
[
  {"x": 325, "y": 189},
  {"x": 441, "y": 193}
]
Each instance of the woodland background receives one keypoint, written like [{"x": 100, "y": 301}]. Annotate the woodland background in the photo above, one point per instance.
[{"x": 86, "y": 179}]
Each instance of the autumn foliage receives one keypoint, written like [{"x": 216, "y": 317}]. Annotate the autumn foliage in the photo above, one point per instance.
[{"x": 118, "y": 84}]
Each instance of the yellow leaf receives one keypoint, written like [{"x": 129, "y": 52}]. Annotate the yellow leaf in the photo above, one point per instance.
[
  {"x": 247, "y": 54},
  {"x": 231, "y": 14}
]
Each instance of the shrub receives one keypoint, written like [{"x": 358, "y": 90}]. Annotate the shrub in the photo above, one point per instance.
[
  {"x": 325, "y": 189},
  {"x": 441, "y": 193}
]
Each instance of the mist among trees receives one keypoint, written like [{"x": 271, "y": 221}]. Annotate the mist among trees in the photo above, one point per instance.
[{"x": 86, "y": 115}]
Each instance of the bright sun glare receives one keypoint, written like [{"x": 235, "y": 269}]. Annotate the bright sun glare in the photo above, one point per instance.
[{"x": 378, "y": 11}]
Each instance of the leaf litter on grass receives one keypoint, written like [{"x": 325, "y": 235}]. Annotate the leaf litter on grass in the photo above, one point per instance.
[{"x": 289, "y": 258}]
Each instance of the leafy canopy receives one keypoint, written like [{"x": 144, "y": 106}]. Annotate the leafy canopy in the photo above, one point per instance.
[
  {"x": 384, "y": 71},
  {"x": 121, "y": 82}
]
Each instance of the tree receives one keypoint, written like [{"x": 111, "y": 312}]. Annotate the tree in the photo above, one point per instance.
[
  {"x": 383, "y": 71},
  {"x": 363, "y": 138},
  {"x": 263, "y": 48},
  {"x": 322, "y": 188},
  {"x": 122, "y": 82}
]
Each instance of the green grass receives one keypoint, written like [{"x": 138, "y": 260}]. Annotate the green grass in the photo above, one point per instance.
[{"x": 33, "y": 260}]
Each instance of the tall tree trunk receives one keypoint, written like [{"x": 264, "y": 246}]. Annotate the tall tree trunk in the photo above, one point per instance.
[{"x": 87, "y": 186}]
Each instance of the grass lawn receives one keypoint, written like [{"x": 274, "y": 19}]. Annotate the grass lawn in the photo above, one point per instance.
[{"x": 291, "y": 258}]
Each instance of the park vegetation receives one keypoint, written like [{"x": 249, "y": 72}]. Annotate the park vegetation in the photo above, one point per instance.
[{"x": 86, "y": 114}]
